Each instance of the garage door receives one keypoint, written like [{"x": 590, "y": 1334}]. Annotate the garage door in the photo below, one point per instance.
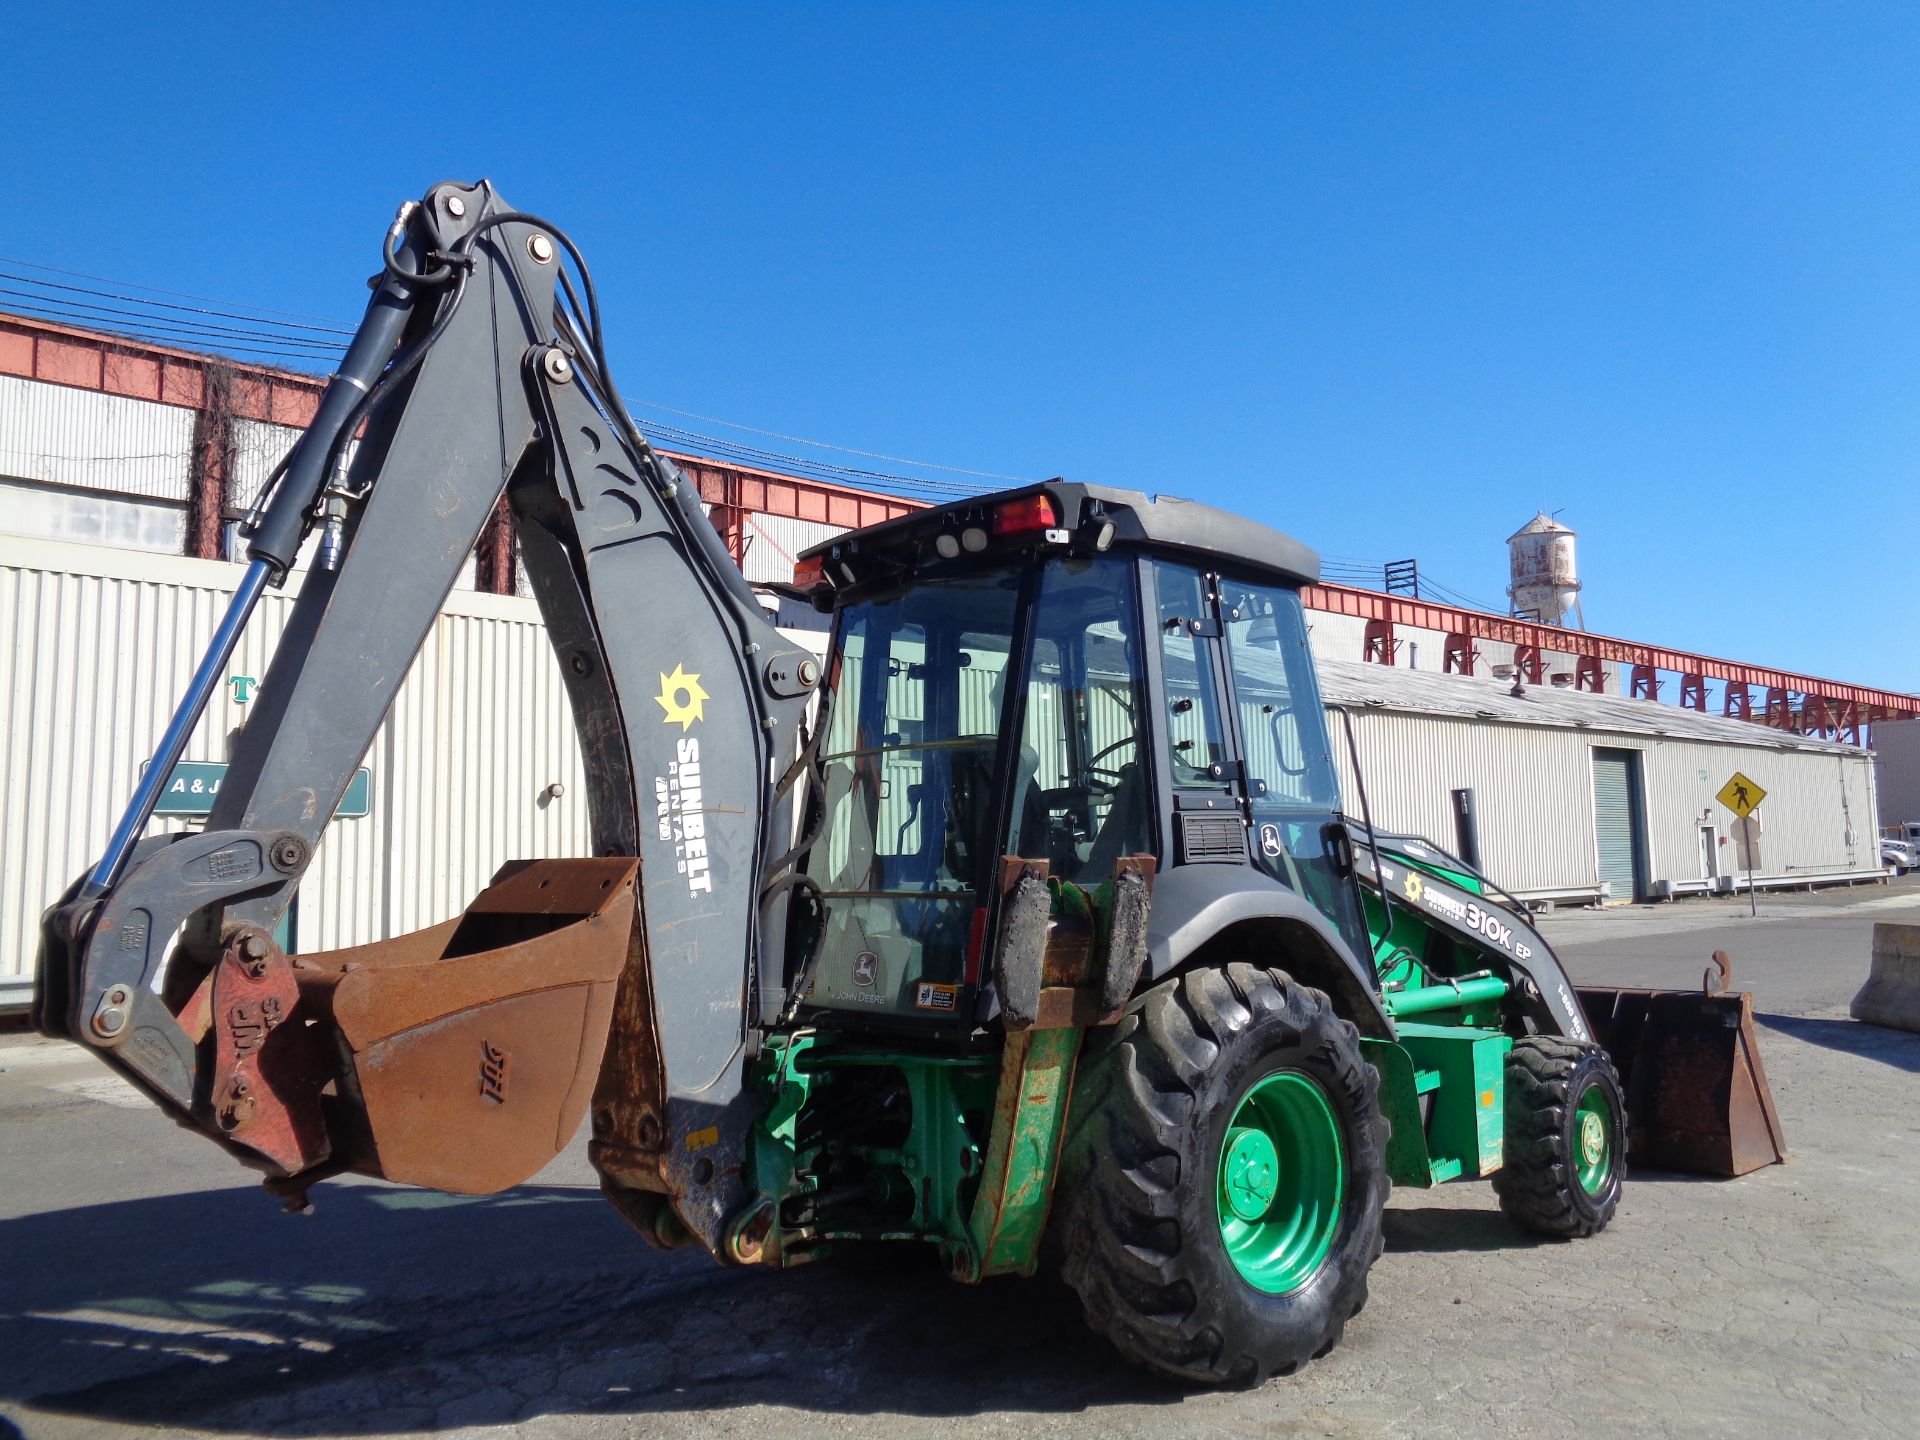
[{"x": 1615, "y": 773}]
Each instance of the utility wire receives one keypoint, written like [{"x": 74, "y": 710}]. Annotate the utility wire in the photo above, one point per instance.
[
  {"x": 262, "y": 310},
  {"x": 157, "y": 333},
  {"x": 829, "y": 445},
  {"x": 310, "y": 344},
  {"x": 112, "y": 306},
  {"x": 86, "y": 308},
  {"x": 761, "y": 459},
  {"x": 168, "y": 305},
  {"x": 250, "y": 331}
]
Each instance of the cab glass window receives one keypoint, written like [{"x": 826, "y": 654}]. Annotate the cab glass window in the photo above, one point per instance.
[
  {"x": 1282, "y": 724},
  {"x": 1081, "y": 796},
  {"x": 1195, "y": 734}
]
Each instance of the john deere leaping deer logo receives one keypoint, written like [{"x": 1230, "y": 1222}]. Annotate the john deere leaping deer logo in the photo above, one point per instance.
[{"x": 493, "y": 1073}]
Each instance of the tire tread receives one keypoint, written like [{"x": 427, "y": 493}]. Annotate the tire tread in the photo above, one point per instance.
[{"x": 1141, "y": 1091}]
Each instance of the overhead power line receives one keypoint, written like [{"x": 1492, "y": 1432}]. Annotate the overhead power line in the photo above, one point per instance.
[
  {"x": 305, "y": 342},
  {"x": 829, "y": 445},
  {"x": 182, "y": 339},
  {"x": 84, "y": 309},
  {"x": 155, "y": 290}
]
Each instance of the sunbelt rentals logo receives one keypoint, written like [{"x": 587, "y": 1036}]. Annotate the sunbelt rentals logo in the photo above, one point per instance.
[{"x": 678, "y": 807}]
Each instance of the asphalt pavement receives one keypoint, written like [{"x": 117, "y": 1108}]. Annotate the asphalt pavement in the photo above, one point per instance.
[{"x": 148, "y": 1286}]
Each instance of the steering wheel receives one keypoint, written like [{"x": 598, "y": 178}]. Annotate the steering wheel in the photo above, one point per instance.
[{"x": 1104, "y": 779}]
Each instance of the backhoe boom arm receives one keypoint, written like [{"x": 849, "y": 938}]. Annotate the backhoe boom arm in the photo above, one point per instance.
[{"x": 472, "y": 382}]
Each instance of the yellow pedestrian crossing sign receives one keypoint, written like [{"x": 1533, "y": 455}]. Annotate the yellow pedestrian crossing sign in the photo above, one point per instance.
[{"x": 1741, "y": 795}]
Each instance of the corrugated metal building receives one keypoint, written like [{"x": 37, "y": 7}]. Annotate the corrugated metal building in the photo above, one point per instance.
[
  {"x": 117, "y": 455},
  {"x": 99, "y": 642},
  {"x": 1575, "y": 791}
]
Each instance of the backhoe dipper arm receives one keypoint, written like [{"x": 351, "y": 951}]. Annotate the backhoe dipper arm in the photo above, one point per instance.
[{"x": 470, "y": 381}]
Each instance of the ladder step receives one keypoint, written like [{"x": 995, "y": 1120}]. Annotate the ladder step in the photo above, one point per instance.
[
  {"x": 1425, "y": 1081},
  {"x": 1443, "y": 1170}
]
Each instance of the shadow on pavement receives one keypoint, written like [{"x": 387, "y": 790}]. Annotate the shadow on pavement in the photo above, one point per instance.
[
  {"x": 1897, "y": 1048},
  {"x": 391, "y": 1310},
  {"x": 1442, "y": 1231},
  {"x": 1638, "y": 1174}
]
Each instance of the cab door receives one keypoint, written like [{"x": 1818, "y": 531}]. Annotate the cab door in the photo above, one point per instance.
[
  {"x": 1279, "y": 742},
  {"x": 1207, "y": 813}
]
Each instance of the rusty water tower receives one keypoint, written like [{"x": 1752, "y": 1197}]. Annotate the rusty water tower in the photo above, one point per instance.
[{"x": 1545, "y": 579}]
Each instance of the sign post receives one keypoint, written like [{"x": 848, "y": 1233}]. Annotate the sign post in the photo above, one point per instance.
[{"x": 1742, "y": 796}]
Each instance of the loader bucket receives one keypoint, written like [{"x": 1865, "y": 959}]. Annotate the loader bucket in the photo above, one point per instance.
[
  {"x": 461, "y": 1057},
  {"x": 1697, "y": 1095}
]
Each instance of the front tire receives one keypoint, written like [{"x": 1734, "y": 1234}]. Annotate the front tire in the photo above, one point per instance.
[
  {"x": 1566, "y": 1138},
  {"x": 1222, "y": 1177}
]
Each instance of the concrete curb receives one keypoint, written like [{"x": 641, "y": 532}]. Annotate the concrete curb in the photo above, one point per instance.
[{"x": 1891, "y": 995}]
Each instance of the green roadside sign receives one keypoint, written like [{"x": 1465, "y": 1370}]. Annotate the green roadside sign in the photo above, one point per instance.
[{"x": 194, "y": 784}]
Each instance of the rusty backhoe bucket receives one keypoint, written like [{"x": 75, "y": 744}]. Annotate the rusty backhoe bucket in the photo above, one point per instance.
[
  {"x": 1697, "y": 1095},
  {"x": 459, "y": 1058}
]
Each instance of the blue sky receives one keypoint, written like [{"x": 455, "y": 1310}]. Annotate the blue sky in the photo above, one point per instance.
[{"x": 1387, "y": 277}]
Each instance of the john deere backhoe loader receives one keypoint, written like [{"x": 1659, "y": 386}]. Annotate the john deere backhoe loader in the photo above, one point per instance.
[{"x": 1033, "y": 911}]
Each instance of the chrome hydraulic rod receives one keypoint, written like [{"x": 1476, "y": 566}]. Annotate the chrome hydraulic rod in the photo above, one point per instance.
[
  {"x": 275, "y": 534},
  {"x": 167, "y": 754}
]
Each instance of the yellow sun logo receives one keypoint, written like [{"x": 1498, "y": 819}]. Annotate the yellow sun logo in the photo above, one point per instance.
[
  {"x": 1414, "y": 886},
  {"x": 682, "y": 698}
]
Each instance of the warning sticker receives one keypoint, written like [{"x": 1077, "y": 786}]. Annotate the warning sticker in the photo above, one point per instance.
[{"x": 929, "y": 996}]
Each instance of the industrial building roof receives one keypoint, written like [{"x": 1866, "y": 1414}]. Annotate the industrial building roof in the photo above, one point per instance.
[{"x": 1477, "y": 697}]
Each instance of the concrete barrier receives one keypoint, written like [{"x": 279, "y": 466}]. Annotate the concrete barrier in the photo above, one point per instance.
[{"x": 1891, "y": 995}]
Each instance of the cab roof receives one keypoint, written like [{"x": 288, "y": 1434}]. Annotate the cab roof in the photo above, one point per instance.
[{"x": 1156, "y": 522}]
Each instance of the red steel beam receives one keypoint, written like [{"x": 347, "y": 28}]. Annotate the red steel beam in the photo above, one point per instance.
[
  {"x": 116, "y": 365},
  {"x": 63, "y": 355},
  {"x": 1398, "y": 610}
]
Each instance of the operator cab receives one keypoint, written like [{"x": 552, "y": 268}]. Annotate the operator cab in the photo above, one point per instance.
[{"x": 1069, "y": 674}]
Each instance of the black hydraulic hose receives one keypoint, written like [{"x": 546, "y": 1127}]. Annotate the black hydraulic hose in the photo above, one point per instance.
[
  {"x": 283, "y": 522},
  {"x": 401, "y": 368},
  {"x": 390, "y": 261}
]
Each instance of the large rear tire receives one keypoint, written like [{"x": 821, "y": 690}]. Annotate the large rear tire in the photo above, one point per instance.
[
  {"x": 1566, "y": 1138},
  {"x": 1222, "y": 1177}
]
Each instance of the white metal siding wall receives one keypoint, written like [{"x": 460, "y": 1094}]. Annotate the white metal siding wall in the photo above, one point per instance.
[
  {"x": 775, "y": 540},
  {"x": 60, "y": 435},
  {"x": 257, "y": 448},
  {"x": 99, "y": 642},
  {"x": 1533, "y": 789}
]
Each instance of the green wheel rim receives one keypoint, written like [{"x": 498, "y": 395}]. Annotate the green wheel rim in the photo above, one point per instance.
[
  {"x": 1593, "y": 1139},
  {"x": 1283, "y": 1178}
]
